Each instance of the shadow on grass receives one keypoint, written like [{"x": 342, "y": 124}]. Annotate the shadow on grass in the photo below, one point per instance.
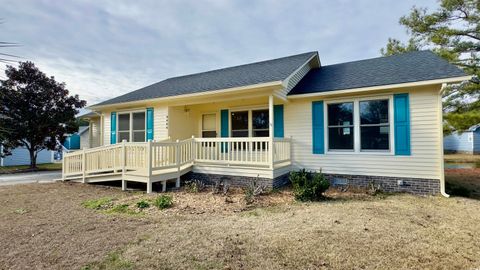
[{"x": 463, "y": 183}]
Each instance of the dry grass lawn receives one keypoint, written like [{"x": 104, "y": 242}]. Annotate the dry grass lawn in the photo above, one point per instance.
[{"x": 45, "y": 226}]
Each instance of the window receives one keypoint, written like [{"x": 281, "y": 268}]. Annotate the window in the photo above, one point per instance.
[
  {"x": 374, "y": 125},
  {"x": 239, "y": 124},
  {"x": 124, "y": 127},
  {"x": 260, "y": 123},
  {"x": 138, "y": 126},
  {"x": 131, "y": 127},
  {"x": 250, "y": 123},
  {"x": 340, "y": 126},
  {"x": 209, "y": 124}
]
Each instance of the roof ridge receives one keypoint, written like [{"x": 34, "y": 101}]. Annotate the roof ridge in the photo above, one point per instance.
[
  {"x": 242, "y": 65},
  {"x": 380, "y": 57}
]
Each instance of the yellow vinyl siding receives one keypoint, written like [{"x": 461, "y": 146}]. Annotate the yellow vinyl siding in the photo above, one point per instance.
[
  {"x": 425, "y": 161},
  {"x": 106, "y": 127},
  {"x": 160, "y": 122}
]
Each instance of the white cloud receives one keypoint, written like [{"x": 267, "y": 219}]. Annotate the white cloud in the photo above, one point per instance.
[{"x": 105, "y": 48}]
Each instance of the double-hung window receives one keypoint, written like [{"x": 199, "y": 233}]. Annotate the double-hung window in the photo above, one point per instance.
[
  {"x": 131, "y": 127},
  {"x": 209, "y": 124},
  {"x": 374, "y": 125},
  {"x": 340, "y": 126},
  {"x": 359, "y": 125}
]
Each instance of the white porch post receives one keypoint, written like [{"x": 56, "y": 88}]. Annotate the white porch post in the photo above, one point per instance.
[
  {"x": 270, "y": 128},
  {"x": 149, "y": 166}
]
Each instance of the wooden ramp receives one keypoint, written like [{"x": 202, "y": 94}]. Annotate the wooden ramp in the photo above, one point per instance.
[{"x": 151, "y": 162}]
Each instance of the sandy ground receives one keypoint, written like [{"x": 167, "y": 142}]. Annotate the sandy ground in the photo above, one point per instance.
[{"x": 44, "y": 226}]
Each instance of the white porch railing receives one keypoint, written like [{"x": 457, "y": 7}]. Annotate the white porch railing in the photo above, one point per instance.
[{"x": 149, "y": 157}]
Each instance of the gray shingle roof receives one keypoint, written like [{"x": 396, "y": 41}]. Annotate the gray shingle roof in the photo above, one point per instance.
[
  {"x": 249, "y": 74},
  {"x": 402, "y": 68}
]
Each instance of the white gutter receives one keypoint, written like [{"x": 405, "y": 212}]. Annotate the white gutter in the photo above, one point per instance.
[{"x": 440, "y": 132}]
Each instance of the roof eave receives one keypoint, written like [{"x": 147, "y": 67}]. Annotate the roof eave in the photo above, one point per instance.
[
  {"x": 381, "y": 87},
  {"x": 199, "y": 94}
]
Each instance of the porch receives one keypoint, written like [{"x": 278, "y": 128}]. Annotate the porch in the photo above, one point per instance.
[{"x": 166, "y": 160}]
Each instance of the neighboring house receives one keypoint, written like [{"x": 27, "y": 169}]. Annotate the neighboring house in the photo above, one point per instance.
[
  {"x": 78, "y": 140},
  {"x": 372, "y": 121},
  {"x": 463, "y": 142},
  {"x": 21, "y": 156}
]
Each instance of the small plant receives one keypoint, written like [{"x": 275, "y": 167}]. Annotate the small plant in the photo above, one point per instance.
[
  {"x": 120, "y": 209},
  {"x": 163, "y": 201},
  {"x": 374, "y": 189},
  {"x": 194, "y": 186},
  {"x": 254, "y": 189},
  {"x": 97, "y": 204},
  {"x": 143, "y": 204},
  {"x": 308, "y": 186},
  {"x": 21, "y": 211},
  {"x": 221, "y": 186}
]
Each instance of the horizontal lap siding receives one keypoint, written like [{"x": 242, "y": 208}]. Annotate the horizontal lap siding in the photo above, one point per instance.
[
  {"x": 160, "y": 122},
  {"x": 106, "y": 127},
  {"x": 424, "y": 162}
]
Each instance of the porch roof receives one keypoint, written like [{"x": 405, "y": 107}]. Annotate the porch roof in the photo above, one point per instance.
[{"x": 250, "y": 74}]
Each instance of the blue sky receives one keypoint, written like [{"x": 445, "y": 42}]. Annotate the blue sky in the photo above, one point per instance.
[{"x": 102, "y": 49}]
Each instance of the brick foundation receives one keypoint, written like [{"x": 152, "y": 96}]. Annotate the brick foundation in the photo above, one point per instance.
[
  {"x": 388, "y": 184},
  {"x": 237, "y": 181}
]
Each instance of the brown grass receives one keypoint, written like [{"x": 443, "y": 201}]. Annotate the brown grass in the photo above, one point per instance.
[
  {"x": 462, "y": 158},
  {"x": 44, "y": 226}
]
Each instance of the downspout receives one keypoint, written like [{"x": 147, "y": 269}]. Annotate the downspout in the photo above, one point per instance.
[{"x": 440, "y": 132}]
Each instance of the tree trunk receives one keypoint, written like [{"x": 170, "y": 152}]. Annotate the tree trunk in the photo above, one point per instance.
[{"x": 33, "y": 159}]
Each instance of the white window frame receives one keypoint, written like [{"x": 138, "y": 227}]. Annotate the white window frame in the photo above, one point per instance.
[
  {"x": 130, "y": 128},
  {"x": 356, "y": 126},
  {"x": 250, "y": 120},
  {"x": 216, "y": 123}
]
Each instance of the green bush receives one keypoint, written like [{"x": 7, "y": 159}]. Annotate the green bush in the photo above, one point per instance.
[
  {"x": 163, "y": 201},
  {"x": 143, "y": 204},
  {"x": 308, "y": 186}
]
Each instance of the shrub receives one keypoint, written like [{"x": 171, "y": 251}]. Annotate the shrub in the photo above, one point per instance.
[
  {"x": 308, "y": 186},
  {"x": 143, "y": 204},
  {"x": 163, "y": 201},
  {"x": 194, "y": 186},
  {"x": 252, "y": 190}
]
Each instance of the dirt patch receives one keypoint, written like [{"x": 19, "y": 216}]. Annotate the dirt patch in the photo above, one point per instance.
[{"x": 45, "y": 226}]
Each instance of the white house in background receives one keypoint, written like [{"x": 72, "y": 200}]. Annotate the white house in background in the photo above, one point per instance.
[
  {"x": 370, "y": 121},
  {"x": 463, "y": 142}
]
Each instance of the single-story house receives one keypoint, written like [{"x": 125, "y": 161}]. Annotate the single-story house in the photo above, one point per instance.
[
  {"x": 467, "y": 142},
  {"x": 375, "y": 121},
  {"x": 21, "y": 156}
]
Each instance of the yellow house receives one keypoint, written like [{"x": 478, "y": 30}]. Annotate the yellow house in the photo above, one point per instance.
[{"x": 376, "y": 121}]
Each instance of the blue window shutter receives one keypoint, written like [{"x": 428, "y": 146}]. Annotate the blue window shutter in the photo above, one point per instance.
[
  {"x": 149, "y": 124},
  {"x": 113, "y": 128},
  {"x": 401, "y": 110},
  {"x": 278, "y": 121},
  {"x": 318, "y": 140},
  {"x": 224, "y": 128},
  {"x": 224, "y": 123}
]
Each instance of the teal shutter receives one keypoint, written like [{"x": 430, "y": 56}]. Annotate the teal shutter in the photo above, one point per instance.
[
  {"x": 318, "y": 128},
  {"x": 401, "y": 112},
  {"x": 278, "y": 121},
  {"x": 224, "y": 128},
  {"x": 113, "y": 128},
  {"x": 149, "y": 124}
]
